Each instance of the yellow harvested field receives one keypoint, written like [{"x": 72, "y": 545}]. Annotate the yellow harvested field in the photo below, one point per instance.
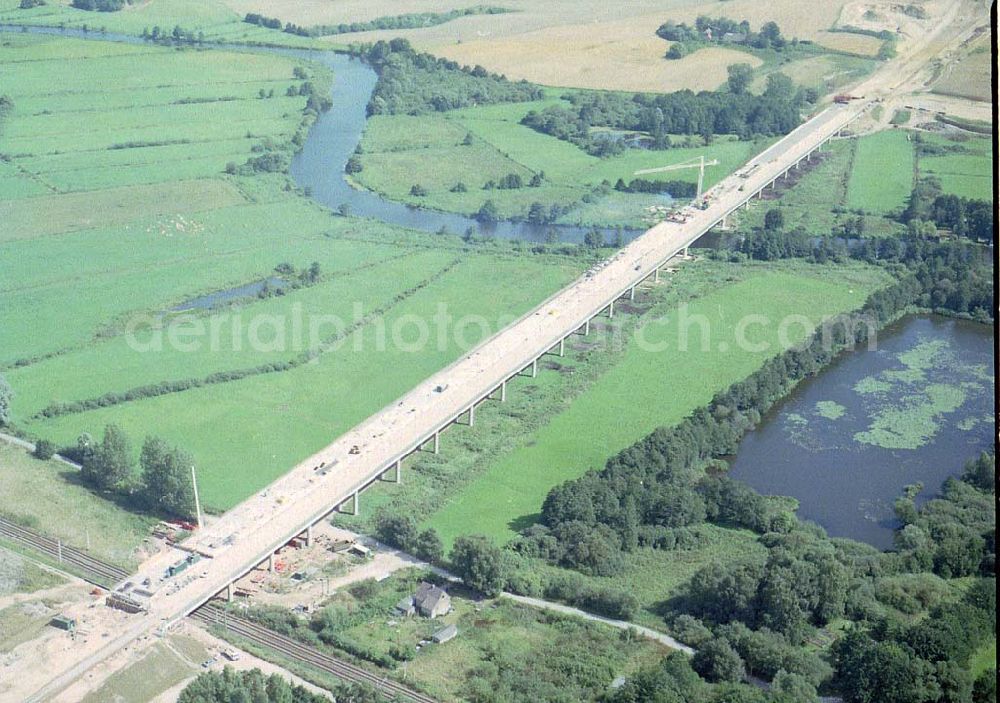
[
  {"x": 860, "y": 44},
  {"x": 970, "y": 76},
  {"x": 53, "y": 214},
  {"x": 599, "y": 56},
  {"x": 797, "y": 18},
  {"x": 580, "y": 43}
]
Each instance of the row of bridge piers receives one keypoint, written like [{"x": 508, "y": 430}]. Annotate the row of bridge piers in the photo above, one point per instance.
[{"x": 394, "y": 473}]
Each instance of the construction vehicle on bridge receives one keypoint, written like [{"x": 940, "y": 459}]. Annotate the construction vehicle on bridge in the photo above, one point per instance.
[{"x": 844, "y": 98}]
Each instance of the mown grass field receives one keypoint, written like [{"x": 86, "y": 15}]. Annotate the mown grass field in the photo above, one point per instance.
[
  {"x": 651, "y": 388},
  {"x": 246, "y": 433},
  {"x": 402, "y": 151},
  {"x": 882, "y": 172},
  {"x": 970, "y": 76},
  {"x": 214, "y": 19},
  {"x": 128, "y": 117},
  {"x": 120, "y": 210},
  {"x": 968, "y": 174}
]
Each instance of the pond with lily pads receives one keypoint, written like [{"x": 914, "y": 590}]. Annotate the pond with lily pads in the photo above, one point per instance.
[{"x": 846, "y": 442}]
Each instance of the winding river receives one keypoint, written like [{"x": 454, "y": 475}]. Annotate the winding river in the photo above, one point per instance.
[{"x": 319, "y": 167}]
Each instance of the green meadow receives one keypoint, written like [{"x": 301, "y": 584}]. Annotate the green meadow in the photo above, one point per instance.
[
  {"x": 214, "y": 20},
  {"x": 882, "y": 172},
  {"x": 120, "y": 210},
  {"x": 653, "y": 387},
  {"x": 820, "y": 188},
  {"x": 967, "y": 172},
  {"x": 247, "y": 433},
  {"x": 138, "y": 115},
  {"x": 401, "y": 151}
]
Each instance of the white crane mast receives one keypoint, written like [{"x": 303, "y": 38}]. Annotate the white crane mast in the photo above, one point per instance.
[{"x": 698, "y": 163}]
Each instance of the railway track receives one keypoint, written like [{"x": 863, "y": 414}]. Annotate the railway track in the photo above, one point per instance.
[
  {"x": 260, "y": 635},
  {"x": 90, "y": 569},
  {"x": 106, "y": 575}
]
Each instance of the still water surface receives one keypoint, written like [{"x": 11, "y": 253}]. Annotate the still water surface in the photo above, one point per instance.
[{"x": 846, "y": 442}]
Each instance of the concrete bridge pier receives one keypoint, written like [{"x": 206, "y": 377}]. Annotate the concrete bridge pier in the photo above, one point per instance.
[
  {"x": 229, "y": 593},
  {"x": 472, "y": 415},
  {"x": 631, "y": 293},
  {"x": 586, "y": 327},
  {"x": 437, "y": 442},
  {"x": 309, "y": 536},
  {"x": 562, "y": 344},
  {"x": 270, "y": 562},
  {"x": 611, "y": 309},
  {"x": 355, "y": 507},
  {"x": 397, "y": 472}
]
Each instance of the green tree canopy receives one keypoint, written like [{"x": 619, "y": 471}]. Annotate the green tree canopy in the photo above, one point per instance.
[{"x": 480, "y": 564}]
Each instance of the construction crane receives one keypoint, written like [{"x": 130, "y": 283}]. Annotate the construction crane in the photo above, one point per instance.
[{"x": 698, "y": 163}]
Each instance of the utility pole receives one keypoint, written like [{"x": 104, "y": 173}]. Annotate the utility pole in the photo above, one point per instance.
[{"x": 197, "y": 503}]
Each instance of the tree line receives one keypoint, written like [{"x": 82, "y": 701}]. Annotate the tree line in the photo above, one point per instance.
[
  {"x": 964, "y": 217},
  {"x": 410, "y": 20},
  {"x": 100, "y": 5},
  {"x": 412, "y": 83},
  {"x": 676, "y": 189},
  {"x": 178, "y": 35},
  {"x": 163, "y": 483},
  {"x": 231, "y": 686},
  {"x": 953, "y": 277},
  {"x": 733, "y": 110},
  {"x": 719, "y": 30}
]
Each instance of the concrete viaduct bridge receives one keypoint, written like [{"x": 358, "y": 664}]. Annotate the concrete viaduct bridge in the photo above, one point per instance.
[
  {"x": 250, "y": 534},
  {"x": 375, "y": 450}
]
